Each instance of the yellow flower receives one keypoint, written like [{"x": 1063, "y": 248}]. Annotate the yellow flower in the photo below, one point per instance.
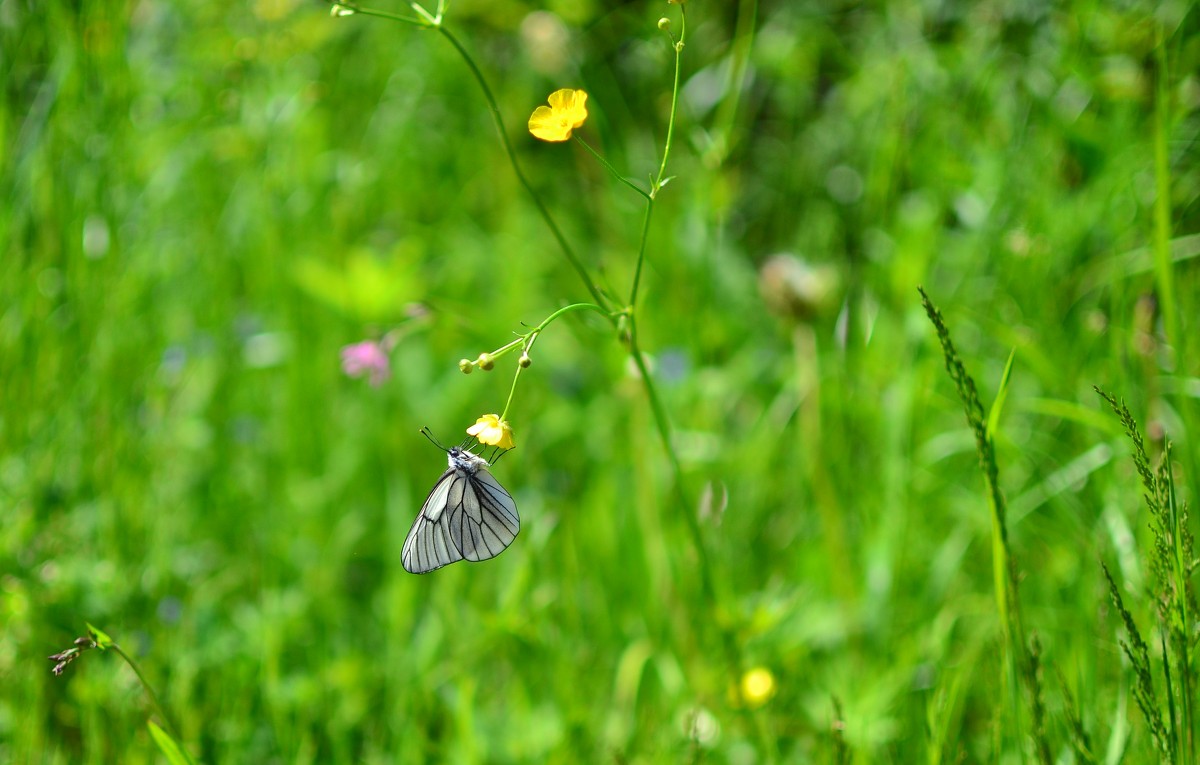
[
  {"x": 565, "y": 113},
  {"x": 758, "y": 686},
  {"x": 492, "y": 431}
]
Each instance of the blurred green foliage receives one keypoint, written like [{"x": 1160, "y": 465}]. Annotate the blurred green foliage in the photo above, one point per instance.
[{"x": 202, "y": 202}]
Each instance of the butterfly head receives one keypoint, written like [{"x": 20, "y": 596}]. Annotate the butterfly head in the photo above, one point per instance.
[{"x": 463, "y": 459}]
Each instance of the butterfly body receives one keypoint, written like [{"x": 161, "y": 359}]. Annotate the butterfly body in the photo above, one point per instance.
[{"x": 467, "y": 516}]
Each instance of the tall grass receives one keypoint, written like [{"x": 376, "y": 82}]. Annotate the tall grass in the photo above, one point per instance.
[{"x": 200, "y": 204}]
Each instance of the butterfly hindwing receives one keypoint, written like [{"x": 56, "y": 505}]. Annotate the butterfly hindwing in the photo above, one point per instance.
[{"x": 467, "y": 516}]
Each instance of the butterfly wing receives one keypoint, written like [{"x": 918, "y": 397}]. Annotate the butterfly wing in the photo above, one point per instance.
[
  {"x": 484, "y": 520},
  {"x": 466, "y": 516},
  {"x": 428, "y": 545}
]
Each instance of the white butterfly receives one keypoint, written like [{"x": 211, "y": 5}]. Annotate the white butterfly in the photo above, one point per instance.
[{"x": 467, "y": 516}]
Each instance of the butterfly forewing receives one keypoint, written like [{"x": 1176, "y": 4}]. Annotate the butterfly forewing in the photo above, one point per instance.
[
  {"x": 468, "y": 515},
  {"x": 428, "y": 544}
]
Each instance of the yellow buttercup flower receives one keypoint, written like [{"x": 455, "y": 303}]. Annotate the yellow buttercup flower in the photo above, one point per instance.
[
  {"x": 566, "y": 112},
  {"x": 492, "y": 431},
  {"x": 758, "y": 686}
]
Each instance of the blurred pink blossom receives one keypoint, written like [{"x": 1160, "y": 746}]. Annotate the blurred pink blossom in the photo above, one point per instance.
[{"x": 370, "y": 357}]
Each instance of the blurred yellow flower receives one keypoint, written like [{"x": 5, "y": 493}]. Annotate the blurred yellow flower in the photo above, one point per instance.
[
  {"x": 758, "y": 686},
  {"x": 492, "y": 431},
  {"x": 566, "y": 112}
]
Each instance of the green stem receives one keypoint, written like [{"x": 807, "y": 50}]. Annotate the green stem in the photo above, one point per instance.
[
  {"x": 568, "y": 309},
  {"x": 641, "y": 258},
  {"x": 743, "y": 43},
  {"x": 610, "y": 168},
  {"x": 662, "y": 168},
  {"x": 512, "y": 158},
  {"x": 432, "y": 21},
  {"x": 512, "y": 390},
  {"x": 663, "y": 426},
  {"x": 712, "y": 613},
  {"x": 1182, "y": 591},
  {"x": 1162, "y": 202},
  {"x": 384, "y": 15},
  {"x": 153, "y": 699},
  {"x": 529, "y": 338}
]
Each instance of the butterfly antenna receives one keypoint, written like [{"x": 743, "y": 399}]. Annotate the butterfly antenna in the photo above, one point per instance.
[
  {"x": 499, "y": 453},
  {"x": 426, "y": 432}
]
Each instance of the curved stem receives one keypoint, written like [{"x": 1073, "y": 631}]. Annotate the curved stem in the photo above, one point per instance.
[
  {"x": 592, "y": 289},
  {"x": 662, "y": 168},
  {"x": 356, "y": 10},
  {"x": 568, "y": 309},
  {"x": 153, "y": 699},
  {"x": 529, "y": 338},
  {"x": 610, "y": 168}
]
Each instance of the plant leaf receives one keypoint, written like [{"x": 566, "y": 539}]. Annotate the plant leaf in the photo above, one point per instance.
[{"x": 167, "y": 745}]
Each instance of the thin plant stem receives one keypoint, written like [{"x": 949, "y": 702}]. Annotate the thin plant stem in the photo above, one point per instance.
[
  {"x": 529, "y": 338},
  {"x": 663, "y": 425},
  {"x": 637, "y": 272},
  {"x": 662, "y": 422},
  {"x": 568, "y": 309},
  {"x": 1164, "y": 271},
  {"x": 662, "y": 167},
  {"x": 610, "y": 168},
  {"x": 416, "y": 22},
  {"x": 729, "y": 646},
  {"x": 512, "y": 390},
  {"x": 592, "y": 289},
  {"x": 1181, "y": 587},
  {"x": 743, "y": 42},
  {"x": 153, "y": 700}
]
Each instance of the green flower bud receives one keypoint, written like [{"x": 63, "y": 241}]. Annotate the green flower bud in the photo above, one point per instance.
[{"x": 465, "y": 366}]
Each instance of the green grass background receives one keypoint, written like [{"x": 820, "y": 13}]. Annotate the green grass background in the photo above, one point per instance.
[{"x": 202, "y": 202}]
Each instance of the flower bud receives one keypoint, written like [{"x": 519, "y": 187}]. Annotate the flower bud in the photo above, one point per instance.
[
  {"x": 524, "y": 361},
  {"x": 664, "y": 23},
  {"x": 486, "y": 362},
  {"x": 465, "y": 366},
  {"x": 623, "y": 333}
]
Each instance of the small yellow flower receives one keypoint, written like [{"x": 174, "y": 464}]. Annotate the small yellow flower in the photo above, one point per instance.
[
  {"x": 758, "y": 686},
  {"x": 492, "y": 431},
  {"x": 566, "y": 112}
]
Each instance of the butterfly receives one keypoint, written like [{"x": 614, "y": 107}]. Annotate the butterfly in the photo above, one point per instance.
[{"x": 467, "y": 516}]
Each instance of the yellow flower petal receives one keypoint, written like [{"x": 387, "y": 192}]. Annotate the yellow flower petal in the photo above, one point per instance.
[
  {"x": 506, "y": 436},
  {"x": 548, "y": 127},
  {"x": 492, "y": 431},
  {"x": 758, "y": 686},
  {"x": 566, "y": 112}
]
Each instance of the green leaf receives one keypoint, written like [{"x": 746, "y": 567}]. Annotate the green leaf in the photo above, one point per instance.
[
  {"x": 99, "y": 636},
  {"x": 993, "y": 421},
  {"x": 167, "y": 745}
]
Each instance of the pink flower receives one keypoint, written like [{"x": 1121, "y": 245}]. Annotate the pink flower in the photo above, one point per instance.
[{"x": 370, "y": 358}]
